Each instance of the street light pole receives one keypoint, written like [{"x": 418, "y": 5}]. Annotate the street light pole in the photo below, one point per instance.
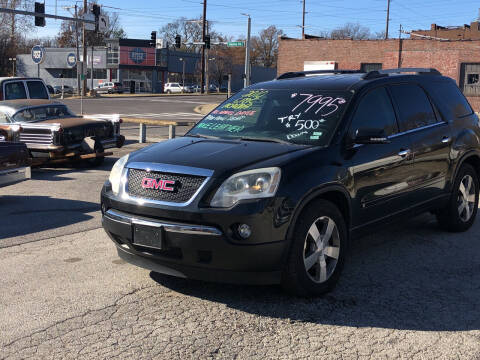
[
  {"x": 183, "y": 74},
  {"x": 203, "y": 46},
  {"x": 246, "y": 81}
]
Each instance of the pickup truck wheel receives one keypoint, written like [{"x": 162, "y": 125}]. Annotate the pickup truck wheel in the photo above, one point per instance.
[
  {"x": 461, "y": 210},
  {"x": 317, "y": 252}
]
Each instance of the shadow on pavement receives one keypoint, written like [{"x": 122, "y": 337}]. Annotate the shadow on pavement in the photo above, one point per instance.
[
  {"x": 41, "y": 212},
  {"x": 412, "y": 276},
  {"x": 58, "y": 172}
]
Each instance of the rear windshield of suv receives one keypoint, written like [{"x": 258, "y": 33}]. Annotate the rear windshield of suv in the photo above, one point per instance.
[{"x": 300, "y": 117}]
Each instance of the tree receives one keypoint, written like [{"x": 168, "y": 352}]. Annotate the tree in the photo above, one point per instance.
[
  {"x": 12, "y": 30},
  {"x": 222, "y": 65},
  {"x": 189, "y": 31},
  {"x": 353, "y": 31},
  {"x": 264, "y": 47},
  {"x": 66, "y": 36}
]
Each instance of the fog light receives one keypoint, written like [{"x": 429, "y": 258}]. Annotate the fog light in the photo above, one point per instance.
[{"x": 244, "y": 231}]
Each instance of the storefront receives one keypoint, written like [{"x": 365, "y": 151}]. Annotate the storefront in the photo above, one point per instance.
[{"x": 141, "y": 68}]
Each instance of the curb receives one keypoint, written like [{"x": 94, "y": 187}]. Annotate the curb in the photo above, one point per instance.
[{"x": 204, "y": 109}]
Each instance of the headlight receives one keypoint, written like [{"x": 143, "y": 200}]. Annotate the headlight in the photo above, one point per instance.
[
  {"x": 116, "y": 174},
  {"x": 251, "y": 184}
]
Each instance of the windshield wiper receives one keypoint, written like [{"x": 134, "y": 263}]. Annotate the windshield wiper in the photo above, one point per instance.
[
  {"x": 274, "y": 140},
  {"x": 202, "y": 136}
]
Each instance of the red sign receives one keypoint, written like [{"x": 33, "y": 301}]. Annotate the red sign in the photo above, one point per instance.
[{"x": 141, "y": 56}]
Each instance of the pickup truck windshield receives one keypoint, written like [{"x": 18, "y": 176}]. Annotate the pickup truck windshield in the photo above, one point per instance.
[{"x": 300, "y": 117}]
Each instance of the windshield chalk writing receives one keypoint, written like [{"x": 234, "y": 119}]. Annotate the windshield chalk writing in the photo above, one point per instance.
[{"x": 319, "y": 103}]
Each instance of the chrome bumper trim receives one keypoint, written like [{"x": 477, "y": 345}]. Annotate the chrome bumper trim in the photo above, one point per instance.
[
  {"x": 12, "y": 176},
  {"x": 119, "y": 216}
]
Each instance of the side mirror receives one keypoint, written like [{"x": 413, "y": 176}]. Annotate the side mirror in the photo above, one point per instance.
[{"x": 371, "y": 136}]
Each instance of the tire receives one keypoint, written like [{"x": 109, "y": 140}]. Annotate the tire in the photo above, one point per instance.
[
  {"x": 461, "y": 210},
  {"x": 169, "y": 92},
  {"x": 310, "y": 272}
]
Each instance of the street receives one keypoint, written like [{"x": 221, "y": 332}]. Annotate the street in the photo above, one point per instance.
[
  {"x": 173, "y": 108},
  {"x": 408, "y": 291}
]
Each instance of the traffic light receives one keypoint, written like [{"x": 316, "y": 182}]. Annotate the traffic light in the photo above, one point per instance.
[
  {"x": 96, "y": 10},
  {"x": 178, "y": 41},
  {"x": 153, "y": 39},
  {"x": 39, "y": 8},
  {"x": 207, "y": 41}
]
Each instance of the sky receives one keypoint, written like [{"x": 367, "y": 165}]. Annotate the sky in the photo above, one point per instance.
[{"x": 140, "y": 17}]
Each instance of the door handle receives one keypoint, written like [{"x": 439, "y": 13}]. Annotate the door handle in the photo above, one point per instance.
[
  {"x": 404, "y": 153},
  {"x": 446, "y": 139}
]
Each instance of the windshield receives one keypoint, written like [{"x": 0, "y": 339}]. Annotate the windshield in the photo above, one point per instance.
[
  {"x": 307, "y": 118},
  {"x": 42, "y": 113}
]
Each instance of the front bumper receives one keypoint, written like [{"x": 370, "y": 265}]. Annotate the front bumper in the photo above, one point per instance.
[
  {"x": 196, "y": 251},
  {"x": 12, "y": 176}
]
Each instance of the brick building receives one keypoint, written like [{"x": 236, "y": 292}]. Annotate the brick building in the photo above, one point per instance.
[
  {"x": 465, "y": 32},
  {"x": 459, "y": 60}
]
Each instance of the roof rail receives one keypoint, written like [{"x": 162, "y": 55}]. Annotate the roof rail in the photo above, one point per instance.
[
  {"x": 294, "y": 74},
  {"x": 386, "y": 72}
]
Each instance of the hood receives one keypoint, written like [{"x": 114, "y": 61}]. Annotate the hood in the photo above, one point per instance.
[
  {"x": 66, "y": 123},
  {"x": 72, "y": 122},
  {"x": 218, "y": 155}
]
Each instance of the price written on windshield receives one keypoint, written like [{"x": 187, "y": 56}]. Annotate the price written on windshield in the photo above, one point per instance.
[{"x": 325, "y": 105}]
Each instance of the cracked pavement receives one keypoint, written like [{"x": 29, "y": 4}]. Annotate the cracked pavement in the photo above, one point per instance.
[{"x": 408, "y": 291}]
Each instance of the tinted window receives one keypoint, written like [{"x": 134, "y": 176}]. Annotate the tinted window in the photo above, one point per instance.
[
  {"x": 309, "y": 117},
  {"x": 37, "y": 90},
  {"x": 449, "y": 99},
  {"x": 15, "y": 90},
  {"x": 413, "y": 105},
  {"x": 375, "y": 111}
]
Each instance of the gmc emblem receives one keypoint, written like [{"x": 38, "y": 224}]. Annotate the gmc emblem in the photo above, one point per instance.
[{"x": 166, "y": 185}]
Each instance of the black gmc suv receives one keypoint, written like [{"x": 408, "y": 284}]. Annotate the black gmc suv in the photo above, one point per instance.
[{"x": 272, "y": 185}]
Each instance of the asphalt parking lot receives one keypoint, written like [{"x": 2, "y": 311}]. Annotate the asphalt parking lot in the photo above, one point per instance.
[{"x": 408, "y": 291}]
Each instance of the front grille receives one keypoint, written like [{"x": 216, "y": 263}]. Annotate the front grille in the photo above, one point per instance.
[
  {"x": 36, "y": 138},
  {"x": 185, "y": 185},
  {"x": 99, "y": 131}
]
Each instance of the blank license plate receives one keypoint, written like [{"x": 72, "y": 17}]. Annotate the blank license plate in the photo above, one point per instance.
[{"x": 148, "y": 236}]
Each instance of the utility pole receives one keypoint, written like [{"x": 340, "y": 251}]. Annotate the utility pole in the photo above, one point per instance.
[
  {"x": 84, "y": 44},
  {"x": 78, "y": 52},
  {"x": 91, "y": 84},
  {"x": 303, "y": 21},
  {"x": 202, "y": 85},
  {"x": 246, "y": 81},
  {"x": 388, "y": 19}
]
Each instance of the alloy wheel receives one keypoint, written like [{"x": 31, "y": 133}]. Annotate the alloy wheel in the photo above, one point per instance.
[
  {"x": 321, "y": 249},
  {"x": 466, "y": 198}
]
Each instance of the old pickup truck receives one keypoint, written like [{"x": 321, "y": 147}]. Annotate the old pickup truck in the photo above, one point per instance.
[
  {"x": 54, "y": 133},
  {"x": 14, "y": 163}
]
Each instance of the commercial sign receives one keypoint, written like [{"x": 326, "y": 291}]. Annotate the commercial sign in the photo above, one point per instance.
[
  {"x": 71, "y": 60},
  {"x": 137, "y": 55},
  {"x": 38, "y": 54},
  {"x": 143, "y": 56}
]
